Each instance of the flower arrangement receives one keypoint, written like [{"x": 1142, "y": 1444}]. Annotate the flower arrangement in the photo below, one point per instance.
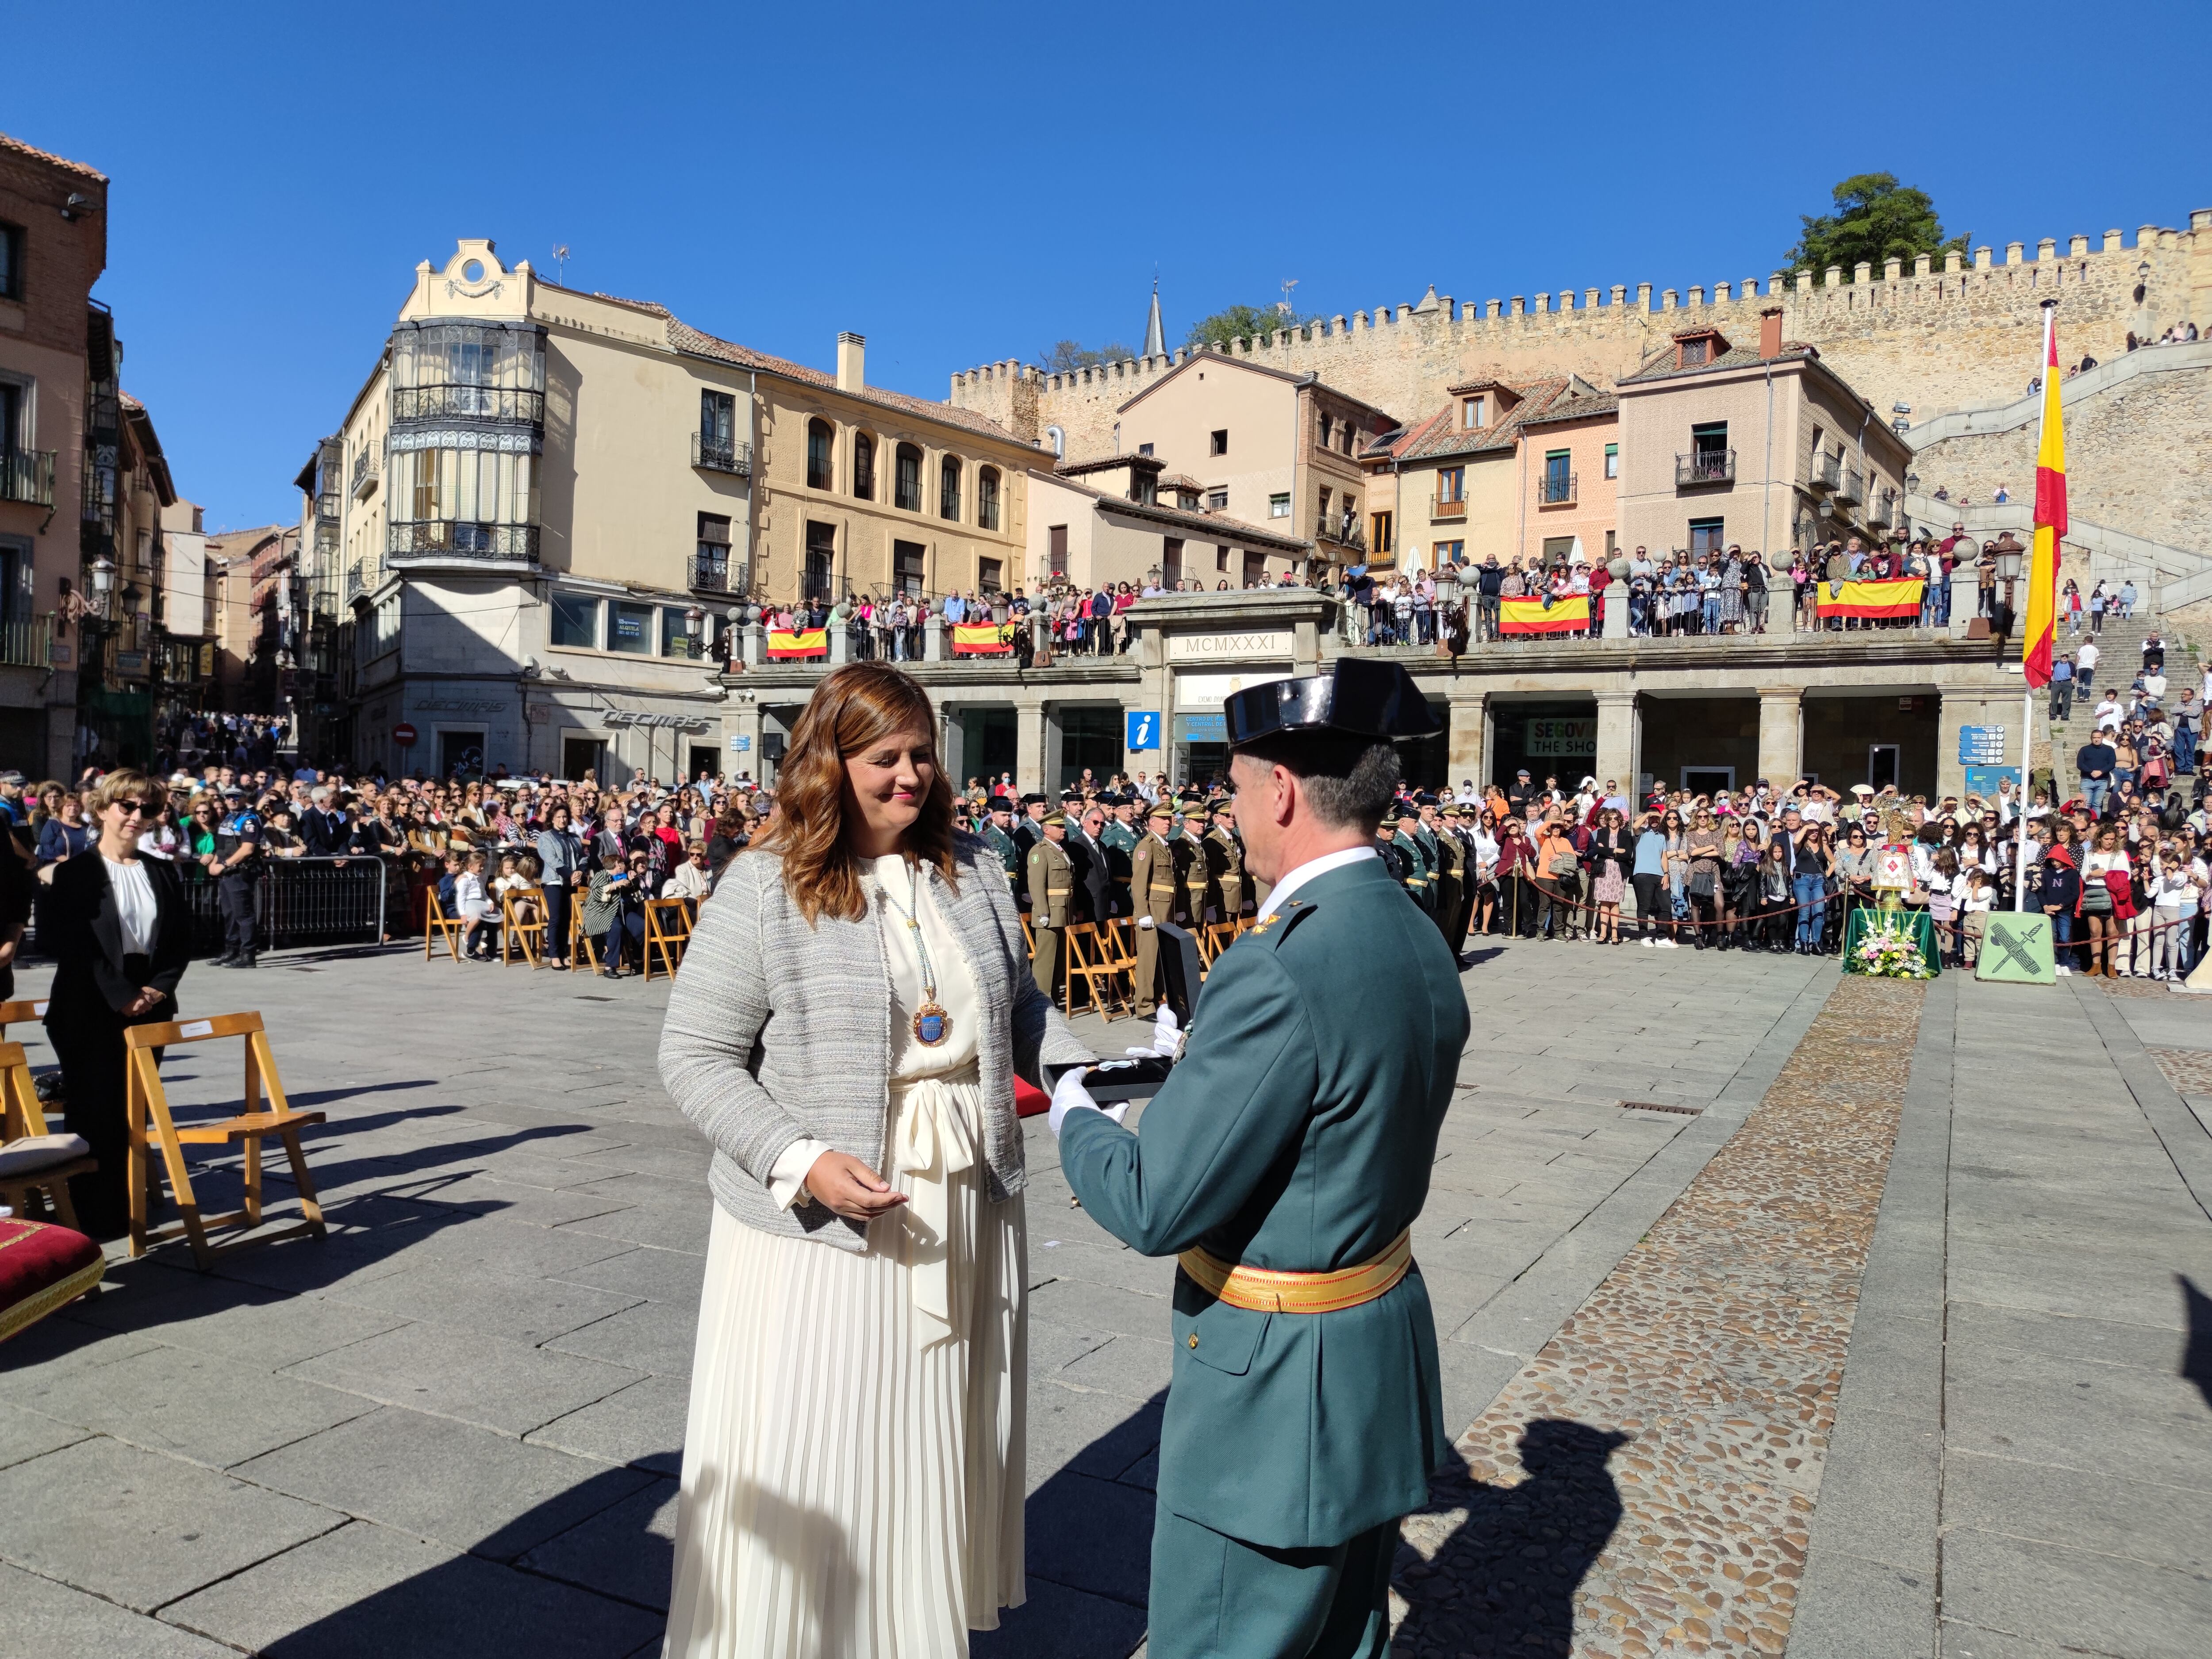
[{"x": 1887, "y": 951}]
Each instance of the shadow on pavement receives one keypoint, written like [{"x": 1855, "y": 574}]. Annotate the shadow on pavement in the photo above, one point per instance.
[
  {"x": 1505, "y": 1581},
  {"x": 2196, "y": 1355}
]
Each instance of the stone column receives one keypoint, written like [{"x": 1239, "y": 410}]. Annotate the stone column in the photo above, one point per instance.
[
  {"x": 1615, "y": 604},
  {"x": 1619, "y": 739},
  {"x": 1463, "y": 735},
  {"x": 1028, "y": 745},
  {"x": 1781, "y": 735},
  {"x": 755, "y": 645},
  {"x": 1965, "y": 594},
  {"x": 742, "y": 720},
  {"x": 840, "y": 642},
  {"x": 934, "y": 639}
]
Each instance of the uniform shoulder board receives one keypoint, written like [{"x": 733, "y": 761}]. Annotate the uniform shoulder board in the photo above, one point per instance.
[{"x": 1277, "y": 928}]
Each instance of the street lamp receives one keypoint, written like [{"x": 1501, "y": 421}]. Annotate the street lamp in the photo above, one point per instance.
[
  {"x": 1152, "y": 577},
  {"x": 2009, "y": 560},
  {"x": 103, "y": 578}
]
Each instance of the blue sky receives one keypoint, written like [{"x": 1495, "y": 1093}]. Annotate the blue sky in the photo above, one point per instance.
[{"x": 970, "y": 183}]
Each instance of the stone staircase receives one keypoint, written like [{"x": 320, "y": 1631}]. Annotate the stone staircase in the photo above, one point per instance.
[{"x": 2120, "y": 656}]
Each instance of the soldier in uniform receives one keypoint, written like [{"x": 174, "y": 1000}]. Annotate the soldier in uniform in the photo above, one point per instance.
[
  {"x": 234, "y": 863},
  {"x": 1051, "y": 884},
  {"x": 1284, "y": 1162},
  {"x": 1420, "y": 873},
  {"x": 1026, "y": 835},
  {"x": 1119, "y": 838},
  {"x": 1152, "y": 884},
  {"x": 998, "y": 837},
  {"x": 1391, "y": 849},
  {"x": 1225, "y": 864},
  {"x": 1452, "y": 870},
  {"x": 1190, "y": 865}
]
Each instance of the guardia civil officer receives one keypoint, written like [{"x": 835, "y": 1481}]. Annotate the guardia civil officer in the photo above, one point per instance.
[
  {"x": 234, "y": 863},
  {"x": 996, "y": 835},
  {"x": 1284, "y": 1160},
  {"x": 1052, "y": 885}
]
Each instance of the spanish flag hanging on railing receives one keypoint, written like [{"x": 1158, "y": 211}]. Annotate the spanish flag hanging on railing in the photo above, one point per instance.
[
  {"x": 1567, "y": 615},
  {"x": 1892, "y": 597},
  {"x": 798, "y": 642},
  {"x": 982, "y": 639},
  {"x": 2040, "y": 624}
]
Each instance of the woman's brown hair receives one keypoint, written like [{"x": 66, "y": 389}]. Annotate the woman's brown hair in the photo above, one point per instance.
[{"x": 857, "y": 705}]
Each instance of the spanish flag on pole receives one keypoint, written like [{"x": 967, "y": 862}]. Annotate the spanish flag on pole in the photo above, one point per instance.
[{"x": 2041, "y": 621}]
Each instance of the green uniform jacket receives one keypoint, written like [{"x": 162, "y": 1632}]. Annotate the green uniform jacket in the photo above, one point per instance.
[
  {"x": 1295, "y": 1134},
  {"x": 1003, "y": 844}
]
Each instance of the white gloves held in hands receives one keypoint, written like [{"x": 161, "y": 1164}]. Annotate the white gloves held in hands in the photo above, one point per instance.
[{"x": 1069, "y": 1095}]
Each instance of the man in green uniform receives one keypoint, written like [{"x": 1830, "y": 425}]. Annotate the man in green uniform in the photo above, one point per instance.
[
  {"x": 1052, "y": 881},
  {"x": 1451, "y": 878},
  {"x": 1420, "y": 878},
  {"x": 1119, "y": 838},
  {"x": 1225, "y": 866},
  {"x": 997, "y": 836},
  {"x": 1284, "y": 1160},
  {"x": 1189, "y": 864},
  {"x": 1389, "y": 847},
  {"x": 1152, "y": 886}
]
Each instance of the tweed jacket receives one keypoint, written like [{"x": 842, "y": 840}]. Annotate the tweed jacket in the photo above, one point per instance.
[{"x": 777, "y": 1032}]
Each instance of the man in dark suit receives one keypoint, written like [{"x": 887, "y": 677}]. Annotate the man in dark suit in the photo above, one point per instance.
[{"x": 1093, "y": 893}]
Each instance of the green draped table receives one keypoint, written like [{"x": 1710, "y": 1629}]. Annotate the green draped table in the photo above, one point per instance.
[{"x": 1916, "y": 925}]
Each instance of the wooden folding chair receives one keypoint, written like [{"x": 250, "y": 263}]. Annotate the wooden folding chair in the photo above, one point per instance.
[
  {"x": 436, "y": 924},
  {"x": 514, "y": 933},
  {"x": 1029, "y": 935},
  {"x": 148, "y": 1107},
  {"x": 21, "y": 1013},
  {"x": 667, "y": 930},
  {"x": 22, "y": 1118},
  {"x": 1217, "y": 937},
  {"x": 579, "y": 940},
  {"x": 1090, "y": 960}
]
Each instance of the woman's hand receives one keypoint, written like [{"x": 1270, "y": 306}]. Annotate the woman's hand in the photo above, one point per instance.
[
  {"x": 143, "y": 1003},
  {"x": 851, "y": 1188}
]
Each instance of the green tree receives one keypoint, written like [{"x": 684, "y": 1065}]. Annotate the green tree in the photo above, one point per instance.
[
  {"x": 1241, "y": 323},
  {"x": 1876, "y": 218},
  {"x": 1069, "y": 354}
]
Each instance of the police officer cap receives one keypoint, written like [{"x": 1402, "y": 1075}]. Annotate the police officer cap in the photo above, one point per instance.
[
  {"x": 1032, "y": 799},
  {"x": 1424, "y": 799},
  {"x": 1360, "y": 697},
  {"x": 1160, "y": 809},
  {"x": 1054, "y": 816},
  {"x": 1390, "y": 816},
  {"x": 1002, "y": 803}
]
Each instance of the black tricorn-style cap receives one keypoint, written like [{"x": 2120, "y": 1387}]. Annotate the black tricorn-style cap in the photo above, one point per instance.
[{"x": 1360, "y": 698}]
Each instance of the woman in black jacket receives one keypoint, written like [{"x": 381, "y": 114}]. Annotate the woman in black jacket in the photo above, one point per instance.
[
  {"x": 120, "y": 931},
  {"x": 1609, "y": 858}
]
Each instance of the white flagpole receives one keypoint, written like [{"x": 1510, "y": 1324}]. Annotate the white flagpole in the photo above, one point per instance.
[{"x": 2028, "y": 691}]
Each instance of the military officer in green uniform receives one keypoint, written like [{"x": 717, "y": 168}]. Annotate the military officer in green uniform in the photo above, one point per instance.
[
  {"x": 1451, "y": 878},
  {"x": 1052, "y": 882},
  {"x": 1225, "y": 866},
  {"x": 1152, "y": 886},
  {"x": 1189, "y": 864},
  {"x": 1420, "y": 874},
  {"x": 1396, "y": 861},
  {"x": 1119, "y": 838},
  {"x": 997, "y": 836},
  {"x": 1284, "y": 1162}
]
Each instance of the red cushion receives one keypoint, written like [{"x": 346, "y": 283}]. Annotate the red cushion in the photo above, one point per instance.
[
  {"x": 42, "y": 1268},
  {"x": 1030, "y": 1100}
]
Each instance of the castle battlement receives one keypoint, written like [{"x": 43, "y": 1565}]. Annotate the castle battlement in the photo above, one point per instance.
[{"x": 1878, "y": 330}]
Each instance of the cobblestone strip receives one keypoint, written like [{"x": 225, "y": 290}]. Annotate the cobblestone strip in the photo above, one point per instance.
[{"x": 1643, "y": 1488}]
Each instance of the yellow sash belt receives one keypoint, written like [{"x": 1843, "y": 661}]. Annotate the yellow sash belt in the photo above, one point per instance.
[{"x": 1263, "y": 1290}]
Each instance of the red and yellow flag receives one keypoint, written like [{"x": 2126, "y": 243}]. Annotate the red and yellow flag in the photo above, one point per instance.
[
  {"x": 1891, "y": 597},
  {"x": 783, "y": 643},
  {"x": 982, "y": 639},
  {"x": 2041, "y": 622},
  {"x": 1567, "y": 615}
]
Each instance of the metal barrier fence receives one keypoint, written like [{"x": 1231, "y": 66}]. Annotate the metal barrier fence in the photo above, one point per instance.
[{"x": 296, "y": 902}]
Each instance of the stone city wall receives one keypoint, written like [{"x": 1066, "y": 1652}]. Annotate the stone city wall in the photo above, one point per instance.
[{"x": 1936, "y": 339}]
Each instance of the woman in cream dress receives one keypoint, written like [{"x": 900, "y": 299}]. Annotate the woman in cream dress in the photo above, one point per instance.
[{"x": 853, "y": 1471}]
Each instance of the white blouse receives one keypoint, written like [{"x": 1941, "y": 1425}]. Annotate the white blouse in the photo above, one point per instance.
[{"x": 136, "y": 910}]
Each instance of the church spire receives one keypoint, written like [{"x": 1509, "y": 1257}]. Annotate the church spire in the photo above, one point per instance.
[{"x": 1156, "y": 344}]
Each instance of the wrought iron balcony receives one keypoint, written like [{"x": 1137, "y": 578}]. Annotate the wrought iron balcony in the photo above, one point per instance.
[
  {"x": 1852, "y": 489},
  {"x": 1704, "y": 466},
  {"x": 503, "y": 405},
  {"x": 717, "y": 574},
  {"x": 1441, "y": 509},
  {"x": 365, "y": 471},
  {"x": 1827, "y": 471},
  {"x": 721, "y": 455},
  {"x": 432, "y": 541},
  {"x": 1347, "y": 533},
  {"x": 24, "y": 644},
  {"x": 1881, "y": 511},
  {"x": 355, "y": 585},
  {"x": 1557, "y": 490},
  {"x": 27, "y": 474}
]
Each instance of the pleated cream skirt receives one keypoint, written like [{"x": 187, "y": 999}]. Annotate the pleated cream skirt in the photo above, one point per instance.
[{"x": 853, "y": 1468}]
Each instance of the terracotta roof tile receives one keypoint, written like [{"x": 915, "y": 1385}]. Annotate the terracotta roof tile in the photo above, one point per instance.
[
  {"x": 1660, "y": 365},
  {"x": 20, "y": 147},
  {"x": 1213, "y": 527}
]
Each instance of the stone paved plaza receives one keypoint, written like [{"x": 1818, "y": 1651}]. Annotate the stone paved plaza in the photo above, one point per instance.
[{"x": 1782, "y": 1312}]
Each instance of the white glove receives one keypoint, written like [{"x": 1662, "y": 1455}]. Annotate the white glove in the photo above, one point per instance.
[
  {"x": 1142, "y": 921},
  {"x": 1167, "y": 1038},
  {"x": 1069, "y": 1095}
]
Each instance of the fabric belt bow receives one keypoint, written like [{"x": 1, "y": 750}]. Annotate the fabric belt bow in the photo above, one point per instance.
[{"x": 933, "y": 1142}]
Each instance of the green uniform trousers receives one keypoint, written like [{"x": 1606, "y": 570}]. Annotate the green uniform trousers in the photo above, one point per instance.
[{"x": 1216, "y": 1597}]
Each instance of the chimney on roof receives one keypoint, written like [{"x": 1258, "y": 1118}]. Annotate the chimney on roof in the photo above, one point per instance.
[
  {"x": 852, "y": 361},
  {"x": 1770, "y": 334}
]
